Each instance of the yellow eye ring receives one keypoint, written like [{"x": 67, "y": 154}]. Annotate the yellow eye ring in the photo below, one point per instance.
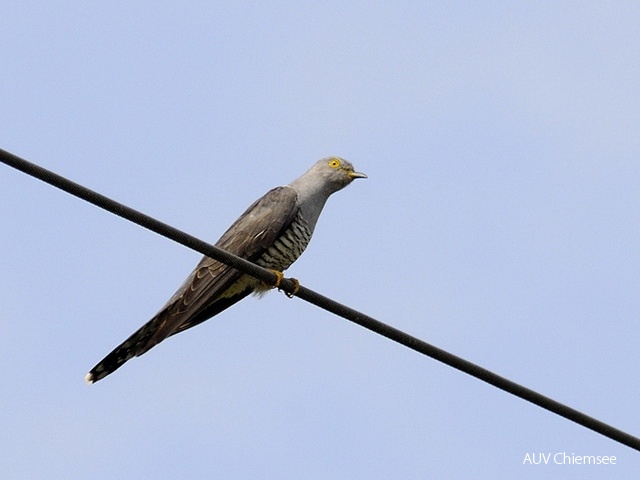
[{"x": 334, "y": 163}]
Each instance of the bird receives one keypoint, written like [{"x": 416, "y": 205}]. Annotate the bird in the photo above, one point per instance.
[{"x": 272, "y": 233}]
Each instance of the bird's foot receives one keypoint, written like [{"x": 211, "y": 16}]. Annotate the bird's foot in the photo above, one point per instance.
[
  {"x": 296, "y": 288},
  {"x": 279, "y": 278}
]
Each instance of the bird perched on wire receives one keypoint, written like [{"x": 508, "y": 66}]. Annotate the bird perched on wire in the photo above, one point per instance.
[{"x": 273, "y": 232}]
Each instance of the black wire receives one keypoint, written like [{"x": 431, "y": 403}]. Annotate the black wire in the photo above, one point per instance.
[
  {"x": 319, "y": 300},
  {"x": 141, "y": 219}
]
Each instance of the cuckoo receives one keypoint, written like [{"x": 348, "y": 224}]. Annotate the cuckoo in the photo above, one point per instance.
[{"x": 273, "y": 232}]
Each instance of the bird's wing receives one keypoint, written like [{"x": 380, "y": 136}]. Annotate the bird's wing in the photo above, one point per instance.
[{"x": 212, "y": 286}]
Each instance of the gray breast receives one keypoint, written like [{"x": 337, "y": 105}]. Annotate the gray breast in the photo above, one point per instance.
[{"x": 288, "y": 247}]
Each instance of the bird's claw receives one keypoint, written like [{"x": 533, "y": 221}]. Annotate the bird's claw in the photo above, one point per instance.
[
  {"x": 279, "y": 278},
  {"x": 296, "y": 288}
]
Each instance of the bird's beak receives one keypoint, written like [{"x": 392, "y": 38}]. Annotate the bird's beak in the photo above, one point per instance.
[{"x": 353, "y": 175}]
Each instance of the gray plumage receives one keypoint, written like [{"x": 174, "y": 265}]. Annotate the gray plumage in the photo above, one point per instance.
[{"x": 273, "y": 232}]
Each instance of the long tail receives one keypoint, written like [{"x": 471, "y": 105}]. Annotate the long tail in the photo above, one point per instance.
[
  {"x": 138, "y": 343},
  {"x": 166, "y": 323}
]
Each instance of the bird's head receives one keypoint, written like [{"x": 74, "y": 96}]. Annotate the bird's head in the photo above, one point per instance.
[
  {"x": 325, "y": 177},
  {"x": 336, "y": 172}
]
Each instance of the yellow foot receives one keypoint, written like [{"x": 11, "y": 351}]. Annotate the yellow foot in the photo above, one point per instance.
[
  {"x": 280, "y": 276},
  {"x": 296, "y": 288}
]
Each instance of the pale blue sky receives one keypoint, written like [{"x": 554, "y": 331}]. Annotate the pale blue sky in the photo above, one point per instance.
[{"x": 499, "y": 222}]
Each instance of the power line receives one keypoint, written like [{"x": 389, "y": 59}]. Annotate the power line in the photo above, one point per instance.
[{"x": 319, "y": 300}]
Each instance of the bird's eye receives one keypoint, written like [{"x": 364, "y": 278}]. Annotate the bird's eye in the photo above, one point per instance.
[{"x": 334, "y": 163}]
